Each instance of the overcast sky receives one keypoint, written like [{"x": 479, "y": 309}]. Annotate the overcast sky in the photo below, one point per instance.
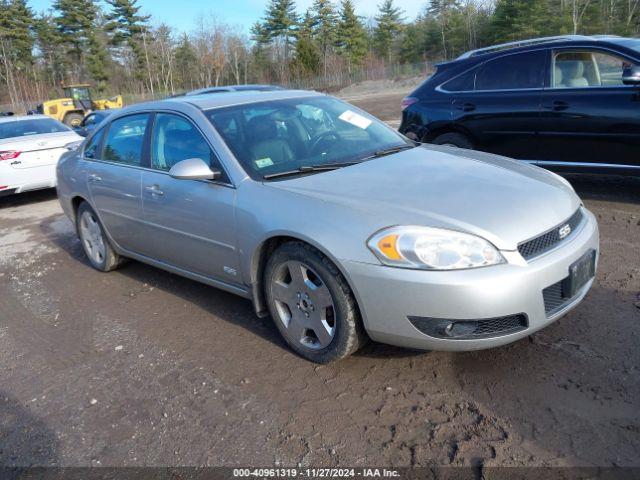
[{"x": 182, "y": 14}]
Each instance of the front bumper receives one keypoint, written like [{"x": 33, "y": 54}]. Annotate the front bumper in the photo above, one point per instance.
[{"x": 388, "y": 297}]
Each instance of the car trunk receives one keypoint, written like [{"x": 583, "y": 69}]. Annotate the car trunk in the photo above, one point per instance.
[{"x": 37, "y": 150}]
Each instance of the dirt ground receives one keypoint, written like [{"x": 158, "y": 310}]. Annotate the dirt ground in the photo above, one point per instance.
[{"x": 141, "y": 367}]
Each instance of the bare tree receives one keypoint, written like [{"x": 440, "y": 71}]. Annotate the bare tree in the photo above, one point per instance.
[{"x": 578, "y": 9}]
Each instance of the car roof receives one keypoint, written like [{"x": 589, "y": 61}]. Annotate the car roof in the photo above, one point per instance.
[
  {"x": 233, "y": 88},
  {"x": 212, "y": 100},
  {"x": 18, "y": 118},
  {"x": 534, "y": 43},
  {"x": 103, "y": 113}
]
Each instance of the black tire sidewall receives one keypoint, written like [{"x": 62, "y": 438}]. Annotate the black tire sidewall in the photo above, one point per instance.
[
  {"x": 343, "y": 302},
  {"x": 457, "y": 139}
]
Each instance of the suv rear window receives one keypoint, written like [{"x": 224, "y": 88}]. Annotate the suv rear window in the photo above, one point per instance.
[{"x": 513, "y": 72}]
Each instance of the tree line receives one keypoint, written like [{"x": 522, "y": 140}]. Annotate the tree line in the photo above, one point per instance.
[{"x": 110, "y": 44}]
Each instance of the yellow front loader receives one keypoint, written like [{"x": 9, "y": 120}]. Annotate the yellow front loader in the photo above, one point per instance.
[{"x": 76, "y": 104}]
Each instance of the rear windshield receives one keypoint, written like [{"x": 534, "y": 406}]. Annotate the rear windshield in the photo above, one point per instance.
[{"x": 25, "y": 128}]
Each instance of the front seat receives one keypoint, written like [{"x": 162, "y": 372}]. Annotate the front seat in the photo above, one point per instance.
[
  {"x": 265, "y": 141},
  {"x": 574, "y": 74},
  {"x": 557, "y": 77}
]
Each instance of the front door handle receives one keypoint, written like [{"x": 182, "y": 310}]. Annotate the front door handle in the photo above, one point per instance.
[
  {"x": 557, "y": 106},
  {"x": 154, "y": 190},
  {"x": 94, "y": 178},
  {"x": 466, "y": 107}
]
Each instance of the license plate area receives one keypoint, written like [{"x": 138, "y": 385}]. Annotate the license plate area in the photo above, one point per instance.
[{"x": 580, "y": 272}]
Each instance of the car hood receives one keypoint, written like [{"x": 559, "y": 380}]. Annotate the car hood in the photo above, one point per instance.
[{"x": 500, "y": 199}]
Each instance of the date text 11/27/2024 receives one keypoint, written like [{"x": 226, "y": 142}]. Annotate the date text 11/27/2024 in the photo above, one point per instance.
[{"x": 315, "y": 472}]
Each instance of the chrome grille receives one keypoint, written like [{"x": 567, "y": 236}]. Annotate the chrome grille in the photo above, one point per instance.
[{"x": 550, "y": 239}]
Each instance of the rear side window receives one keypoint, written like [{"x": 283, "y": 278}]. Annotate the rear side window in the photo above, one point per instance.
[
  {"x": 125, "y": 140},
  {"x": 461, "y": 83},
  {"x": 513, "y": 72}
]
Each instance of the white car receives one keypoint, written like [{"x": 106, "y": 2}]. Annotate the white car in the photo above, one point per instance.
[{"x": 30, "y": 147}]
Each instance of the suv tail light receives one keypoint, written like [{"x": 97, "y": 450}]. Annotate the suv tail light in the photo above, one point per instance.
[
  {"x": 407, "y": 101},
  {"x": 9, "y": 154}
]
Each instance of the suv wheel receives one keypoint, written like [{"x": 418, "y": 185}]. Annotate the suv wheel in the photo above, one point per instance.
[
  {"x": 94, "y": 242},
  {"x": 453, "y": 140},
  {"x": 311, "y": 304}
]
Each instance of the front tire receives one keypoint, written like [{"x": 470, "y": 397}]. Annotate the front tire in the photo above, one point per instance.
[
  {"x": 453, "y": 140},
  {"x": 94, "y": 241},
  {"x": 312, "y": 304}
]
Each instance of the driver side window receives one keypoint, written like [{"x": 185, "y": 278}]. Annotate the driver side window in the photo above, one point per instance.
[
  {"x": 175, "y": 139},
  {"x": 585, "y": 69}
]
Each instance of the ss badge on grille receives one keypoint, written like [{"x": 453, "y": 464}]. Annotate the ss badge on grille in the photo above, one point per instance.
[{"x": 564, "y": 231}]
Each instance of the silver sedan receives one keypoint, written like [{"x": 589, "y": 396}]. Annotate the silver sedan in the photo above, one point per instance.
[{"x": 331, "y": 222}]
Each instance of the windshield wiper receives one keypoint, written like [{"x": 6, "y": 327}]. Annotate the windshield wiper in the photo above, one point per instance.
[
  {"x": 309, "y": 169},
  {"x": 389, "y": 151}
]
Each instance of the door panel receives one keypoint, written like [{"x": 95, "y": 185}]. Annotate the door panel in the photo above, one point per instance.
[
  {"x": 503, "y": 123},
  {"x": 593, "y": 126},
  {"x": 190, "y": 224},
  {"x": 115, "y": 193},
  {"x": 114, "y": 176},
  {"x": 503, "y": 110}
]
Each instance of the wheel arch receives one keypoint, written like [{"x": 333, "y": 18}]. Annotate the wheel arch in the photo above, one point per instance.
[
  {"x": 76, "y": 200},
  {"x": 431, "y": 135},
  {"x": 262, "y": 254}
]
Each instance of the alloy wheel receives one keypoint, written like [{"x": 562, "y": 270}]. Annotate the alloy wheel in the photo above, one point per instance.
[
  {"x": 92, "y": 238},
  {"x": 304, "y": 305}
]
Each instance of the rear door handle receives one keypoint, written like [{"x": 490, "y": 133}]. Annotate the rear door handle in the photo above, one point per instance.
[
  {"x": 557, "y": 106},
  {"x": 94, "y": 178},
  {"x": 154, "y": 190},
  {"x": 466, "y": 107}
]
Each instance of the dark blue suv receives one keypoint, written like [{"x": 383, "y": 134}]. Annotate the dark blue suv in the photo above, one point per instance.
[{"x": 568, "y": 103}]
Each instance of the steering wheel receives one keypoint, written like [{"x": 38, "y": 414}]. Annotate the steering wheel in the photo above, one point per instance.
[{"x": 317, "y": 142}]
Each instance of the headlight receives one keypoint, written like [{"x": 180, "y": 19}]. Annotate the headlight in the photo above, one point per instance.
[{"x": 429, "y": 248}]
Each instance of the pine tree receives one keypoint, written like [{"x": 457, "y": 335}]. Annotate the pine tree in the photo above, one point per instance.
[
  {"x": 185, "y": 59},
  {"x": 324, "y": 22},
  {"x": 48, "y": 42},
  {"x": 16, "y": 19},
  {"x": 352, "y": 37},
  {"x": 520, "y": 19},
  {"x": 307, "y": 59},
  {"x": 389, "y": 25},
  {"x": 75, "y": 22},
  {"x": 128, "y": 27},
  {"x": 281, "y": 22}
]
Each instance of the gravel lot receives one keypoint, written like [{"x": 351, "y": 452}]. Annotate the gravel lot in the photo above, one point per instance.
[{"x": 141, "y": 367}]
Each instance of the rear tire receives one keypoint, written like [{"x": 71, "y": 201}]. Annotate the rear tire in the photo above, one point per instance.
[
  {"x": 311, "y": 304},
  {"x": 94, "y": 242},
  {"x": 73, "y": 119},
  {"x": 453, "y": 140}
]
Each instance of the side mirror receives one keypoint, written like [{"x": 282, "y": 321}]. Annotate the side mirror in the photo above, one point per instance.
[
  {"x": 194, "y": 169},
  {"x": 631, "y": 75}
]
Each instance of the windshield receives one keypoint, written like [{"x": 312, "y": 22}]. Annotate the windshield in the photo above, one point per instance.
[
  {"x": 37, "y": 126},
  {"x": 279, "y": 136}
]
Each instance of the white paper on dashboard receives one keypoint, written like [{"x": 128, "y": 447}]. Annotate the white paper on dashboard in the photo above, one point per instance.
[{"x": 355, "y": 119}]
